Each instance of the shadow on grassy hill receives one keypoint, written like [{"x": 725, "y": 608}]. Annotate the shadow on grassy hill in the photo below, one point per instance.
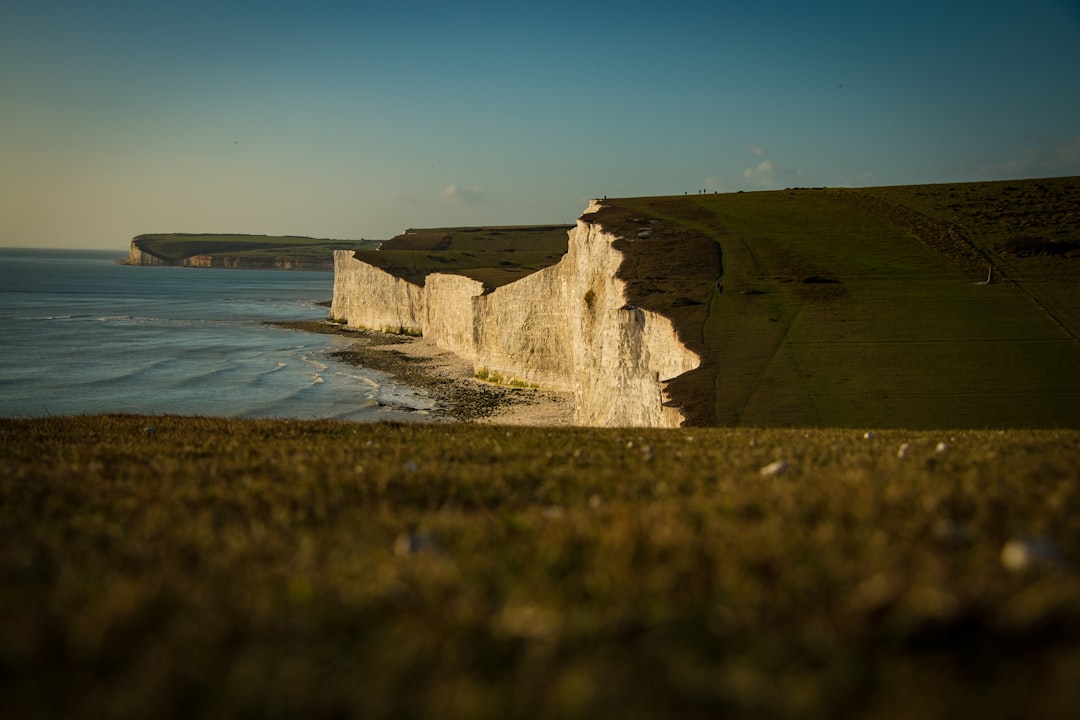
[{"x": 834, "y": 307}]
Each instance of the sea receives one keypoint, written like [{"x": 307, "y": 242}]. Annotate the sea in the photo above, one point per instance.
[{"x": 82, "y": 334}]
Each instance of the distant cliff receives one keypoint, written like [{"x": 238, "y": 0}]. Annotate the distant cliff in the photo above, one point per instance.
[
  {"x": 238, "y": 251},
  {"x": 570, "y": 326}
]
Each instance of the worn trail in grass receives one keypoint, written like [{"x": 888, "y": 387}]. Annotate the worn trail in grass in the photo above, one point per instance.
[{"x": 176, "y": 567}]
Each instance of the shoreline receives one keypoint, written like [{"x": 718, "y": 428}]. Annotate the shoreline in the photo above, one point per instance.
[{"x": 448, "y": 378}]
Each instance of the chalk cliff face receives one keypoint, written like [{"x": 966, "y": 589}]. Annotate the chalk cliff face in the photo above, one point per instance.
[
  {"x": 136, "y": 256},
  {"x": 236, "y": 262},
  {"x": 568, "y": 327},
  {"x": 368, "y": 297}
]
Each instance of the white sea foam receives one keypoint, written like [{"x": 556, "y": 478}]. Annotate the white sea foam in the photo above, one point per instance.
[{"x": 310, "y": 360}]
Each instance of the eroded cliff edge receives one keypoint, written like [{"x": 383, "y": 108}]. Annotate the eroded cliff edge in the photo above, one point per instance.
[{"x": 573, "y": 326}]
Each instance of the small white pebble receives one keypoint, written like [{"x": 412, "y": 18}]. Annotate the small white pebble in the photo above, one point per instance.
[
  {"x": 868, "y": 436},
  {"x": 951, "y": 532},
  {"x": 903, "y": 451},
  {"x": 774, "y": 468},
  {"x": 941, "y": 447},
  {"x": 403, "y": 545},
  {"x": 554, "y": 512},
  {"x": 407, "y": 544},
  {"x": 1020, "y": 554}
]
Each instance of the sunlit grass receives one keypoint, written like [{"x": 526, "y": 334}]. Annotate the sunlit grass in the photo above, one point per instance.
[{"x": 162, "y": 566}]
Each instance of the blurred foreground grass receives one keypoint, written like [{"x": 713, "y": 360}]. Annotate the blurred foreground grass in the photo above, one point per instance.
[{"x": 177, "y": 567}]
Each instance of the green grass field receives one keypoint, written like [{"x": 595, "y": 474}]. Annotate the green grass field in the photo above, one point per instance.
[
  {"x": 845, "y": 308},
  {"x": 170, "y": 567}
]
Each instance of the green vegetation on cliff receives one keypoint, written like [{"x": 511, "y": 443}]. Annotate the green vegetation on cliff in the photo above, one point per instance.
[
  {"x": 492, "y": 255},
  {"x": 869, "y": 307},
  {"x": 169, "y": 567}
]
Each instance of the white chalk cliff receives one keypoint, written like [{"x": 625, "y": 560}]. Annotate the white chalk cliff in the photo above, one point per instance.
[
  {"x": 567, "y": 327},
  {"x": 137, "y": 256}
]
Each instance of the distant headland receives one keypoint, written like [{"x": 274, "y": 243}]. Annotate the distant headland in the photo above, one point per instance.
[{"x": 264, "y": 252}]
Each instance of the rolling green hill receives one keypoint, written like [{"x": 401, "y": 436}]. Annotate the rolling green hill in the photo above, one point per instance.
[{"x": 868, "y": 307}]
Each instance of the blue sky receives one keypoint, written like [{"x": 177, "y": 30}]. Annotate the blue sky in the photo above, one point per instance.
[{"x": 358, "y": 119}]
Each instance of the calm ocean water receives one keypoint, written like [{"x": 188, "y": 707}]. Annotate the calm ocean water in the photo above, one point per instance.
[{"x": 80, "y": 334}]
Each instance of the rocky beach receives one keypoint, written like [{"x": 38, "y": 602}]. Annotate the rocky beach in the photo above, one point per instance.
[{"x": 448, "y": 378}]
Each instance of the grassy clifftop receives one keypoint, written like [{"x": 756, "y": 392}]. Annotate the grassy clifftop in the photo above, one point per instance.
[
  {"x": 844, "y": 307},
  {"x": 493, "y": 255}
]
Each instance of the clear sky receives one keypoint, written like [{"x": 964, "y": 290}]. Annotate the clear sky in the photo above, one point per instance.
[{"x": 359, "y": 119}]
